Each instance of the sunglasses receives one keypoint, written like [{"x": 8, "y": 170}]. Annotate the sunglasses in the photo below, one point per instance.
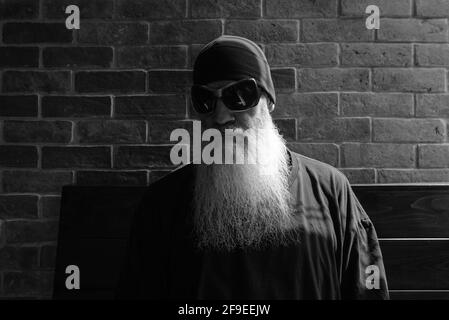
[{"x": 237, "y": 96}]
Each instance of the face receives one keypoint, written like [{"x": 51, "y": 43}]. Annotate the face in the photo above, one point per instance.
[{"x": 223, "y": 117}]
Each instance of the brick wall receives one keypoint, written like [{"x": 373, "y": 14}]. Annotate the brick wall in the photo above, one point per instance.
[{"x": 96, "y": 105}]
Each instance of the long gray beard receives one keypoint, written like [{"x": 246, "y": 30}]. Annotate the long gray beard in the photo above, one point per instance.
[{"x": 240, "y": 205}]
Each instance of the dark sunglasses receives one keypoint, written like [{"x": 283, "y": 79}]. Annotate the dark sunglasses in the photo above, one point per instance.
[{"x": 237, "y": 96}]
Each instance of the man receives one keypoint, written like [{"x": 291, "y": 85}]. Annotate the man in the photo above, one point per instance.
[{"x": 235, "y": 231}]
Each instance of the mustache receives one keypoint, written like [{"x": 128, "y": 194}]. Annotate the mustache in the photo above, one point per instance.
[
  {"x": 232, "y": 125},
  {"x": 223, "y": 128}
]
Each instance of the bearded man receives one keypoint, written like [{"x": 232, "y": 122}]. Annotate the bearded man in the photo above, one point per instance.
[{"x": 283, "y": 226}]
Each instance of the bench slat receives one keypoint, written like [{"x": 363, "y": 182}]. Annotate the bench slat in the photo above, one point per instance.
[
  {"x": 407, "y": 211},
  {"x": 416, "y": 264}
]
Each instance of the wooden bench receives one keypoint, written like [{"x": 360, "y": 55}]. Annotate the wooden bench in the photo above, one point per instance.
[{"x": 412, "y": 222}]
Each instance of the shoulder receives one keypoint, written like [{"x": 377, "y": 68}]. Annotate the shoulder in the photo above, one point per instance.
[
  {"x": 321, "y": 173},
  {"x": 319, "y": 168}
]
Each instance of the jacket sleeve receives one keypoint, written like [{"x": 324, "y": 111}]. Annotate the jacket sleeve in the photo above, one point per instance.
[
  {"x": 363, "y": 271},
  {"x": 143, "y": 272}
]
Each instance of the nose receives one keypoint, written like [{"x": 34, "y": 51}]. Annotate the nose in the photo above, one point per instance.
[{"x": 222, "y": 115}]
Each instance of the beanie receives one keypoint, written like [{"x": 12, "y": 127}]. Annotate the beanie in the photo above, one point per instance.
[{"x": 233, "y": 58}]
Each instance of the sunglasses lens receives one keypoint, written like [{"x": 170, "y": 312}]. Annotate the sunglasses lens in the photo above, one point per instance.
[
  {"x": 202, "y": 100},
  {"x": 242, "y": 95}
]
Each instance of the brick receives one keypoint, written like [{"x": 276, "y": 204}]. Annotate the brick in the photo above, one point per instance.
[
  {"x": 50, "y": 206},
  {"x": 142, "y": 157},
  {"x": 76, "y": 157},
  {"x": 396, "y": 8},
  {"x": 159, "y": 131},
  {"x": 37, "y": 131},
  {"x": 325, "y": 152},
  {"x": 98, "y": 9},
  {"x": 151, "y": 9},
  {"x": 302, "y": 55},
  {"x": 24, "y": 9},
  {"x": 18, "y": 106},
  {"x": 333, "y": 79},
  {"x": 169, "y": 81},
  {"x": 376, "y": 104},
  {"x": 301, "y": 8},
  {"x": 333, "y": 129},
  {"x": 157, "y": 175},
  {"x": 18, "y": 156},
  {"x": 111, "y": 131},
  {"x": 432, "y": 8},
  {"x": 27, "y": 283},
  {"x": 35, "y": 181},
  {"x": 34, "y": 32},
  {"x": 334, "y": 30},
  {"x": 412, "y": 175},
  {"x": 18, "y": 258},
  {"x": 23, "y": 231},
  {"x": 433, "y": 156},
  {"x": 149, "y": 107},
  {"x": 306, "y": 105},
  {"x": 413, "y": 30},
  {"x": 122, "y": 178},
  {"x": 409, "y": 130},
  {"x": 376, "y": 55},
  {"x": 110, "y": 81},
  {"x": 75, "y": 106},
  {"x": 18, "y": 207},
  {"x": 283, "y": 79},
  {"x": 77, "y": 57},
  {"x": 184, "y": 31},
  {"x": 126, "y": 33},
  {"x": 19, "y": 57},
  {"x": 377, "y": 155},
  {"x": 226, "y": 8},
  {"x": 36, "y": 81},
  {"x": 47, "y": 257},
  {"x": 432, "y": 55},
  {"x": 152, "y": 57},
  {"x": 360, "y": 175},
  {"x": 409, "y": 80},
  {"x": 287, "y": 128},
  {"x": 432, "y": 105},
  {"x": 264, "y": 30}
]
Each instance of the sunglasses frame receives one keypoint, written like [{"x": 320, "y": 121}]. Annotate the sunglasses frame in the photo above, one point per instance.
[{"x": 218, "y": 93}]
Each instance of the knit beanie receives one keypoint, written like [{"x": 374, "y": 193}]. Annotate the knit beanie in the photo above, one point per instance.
[{"x": 233, "y": 58}]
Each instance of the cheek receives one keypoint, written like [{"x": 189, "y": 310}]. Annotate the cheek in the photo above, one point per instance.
[
  {"x": 244, "y": 119},
  {"x": 251, "y": 118}
]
